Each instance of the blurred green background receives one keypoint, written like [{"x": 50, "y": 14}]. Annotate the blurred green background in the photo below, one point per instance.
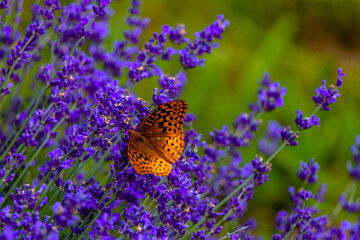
[{"x": 299, "y": 43}]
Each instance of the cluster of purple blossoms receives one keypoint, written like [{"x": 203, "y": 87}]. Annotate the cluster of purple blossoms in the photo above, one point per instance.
[
  {"x": 307, "y": 172},
  {"x": 64, "y": 168},
  {"x": 22, "y": 51},
  {"x": 305, "y": 219},
  {"x": 354, "y": 171},
  {"x": 326, "y": 96}
]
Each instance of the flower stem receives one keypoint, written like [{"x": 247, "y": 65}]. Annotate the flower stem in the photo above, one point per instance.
[
  {"x": 51, "y": 203},
  {"x": 197, "y": 225},
  {"x": 98, "y": 214},
  {"x": 24, "y": 171},
  {"x": 43, "y": 194},
  {"x": 95, "y": 170},
  {"x": 51, "y": 172},
  {"x": 23, "y": 126},
  {"x": 16, "y": 61},
  {"x": 238, "y": 230}
]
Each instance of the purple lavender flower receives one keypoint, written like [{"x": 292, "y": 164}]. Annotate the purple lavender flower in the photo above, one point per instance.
[
  {"x": 307, "y": 172},
  {"x": 319, "y": 196},
  {"x": 3, "y": 4},
  {"x": 260, "y": 177},
  {"x": 326, "y": 96},
  {"x": 221, "y": 137},
  {"x": 289, "y": 136},
  {"x": 21, "y": 52},
  {"x": 339, "y": 81},
  {"x": 48, "y": 14},
  {"x": 5, "y": 90},
  {"x": 301, "y": 216},
  {"x": 136, "y": 22},
  {"x": 75, "y": 133},
  {"x": 270, "y": 96},
  {"x": 349, "y": 205},
  {"x": 177, "y": 34},
  {"x": 202, "y": 44},
  {"x": 8, "y": 36},
  {"x": 354, "y": 171},
  {"x": 142, "y": 68},
  {"x": 305, "y": 123}
]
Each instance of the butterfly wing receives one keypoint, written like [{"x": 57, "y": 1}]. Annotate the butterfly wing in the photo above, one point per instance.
[
  {"x": 161, "y": 167},
  {"x": 145, "y": 160},
  {"x": 138, "y": 159},
  {"x": 165, "y": 120},
  {"x": 164, "y": 129},
  {"x": 171, "y": 147}
]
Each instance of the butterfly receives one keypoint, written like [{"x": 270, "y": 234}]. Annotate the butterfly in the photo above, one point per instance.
[{"x": 160, "y": 139}]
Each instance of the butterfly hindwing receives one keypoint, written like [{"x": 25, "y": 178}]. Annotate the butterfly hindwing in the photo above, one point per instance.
[
  {"x": 172, "y": 147},
  {"x": 145, "y": 159},
  {"x": 161, "y": 167},
  {"x": 138, "y": 157}
]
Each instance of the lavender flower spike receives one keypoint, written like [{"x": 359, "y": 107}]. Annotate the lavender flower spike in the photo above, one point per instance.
[
  {"x": 305, "y": 123},
  {"x": 354, "y": 171},
  {"x": 307, "y": 172},
  {"x": 289, "y": 136},
  {"x": 326, "y": 96}
]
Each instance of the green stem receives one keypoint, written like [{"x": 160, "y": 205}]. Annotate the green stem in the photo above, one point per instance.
[
  {"x": 78, "y": 169},
  {"x": 289, "y": 233},
  {"x": 197, "y": 225},
  {"x": 22, "y": 146},
  {"x": 316, "y": 110},
  {"x": 78, "y": 41},
  {"x": 98, "y": 214},
  {"x": 238, "y": 230},
  {"x": 223, "y": 219},
  {"x": 51, "y": 172},
  {"x": 90, "y": 225},
  {"x": 338, "y": 206},
  {"x": 43, "y": 194},
  {"x": 73, "y": 170},
  {"x": 275, "y": 153},
  {"x": 7, "y": 174},
  {"x": 353, "y": 191},
  {"x": 23, "y": 126},
  {"x": 51, "y": 202},
  {"x": 16, "y": 61},
  {"x": 176, "y": 75},
  {"x": 7, "y": 141},
  {"x": 24, "y": 171},
  {"x": 96, "y": 169}
]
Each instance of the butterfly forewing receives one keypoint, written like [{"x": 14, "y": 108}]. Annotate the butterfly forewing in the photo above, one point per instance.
[
  {"x": 160, "y": 140},
  {"x": 166, "y": 119}
]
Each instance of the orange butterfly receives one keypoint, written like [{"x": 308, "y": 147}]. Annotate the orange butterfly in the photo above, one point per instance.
[{"x": 160, "y": 140}]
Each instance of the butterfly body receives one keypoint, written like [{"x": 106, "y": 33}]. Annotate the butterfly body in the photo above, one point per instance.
[{"x": 160, "y": 140}]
